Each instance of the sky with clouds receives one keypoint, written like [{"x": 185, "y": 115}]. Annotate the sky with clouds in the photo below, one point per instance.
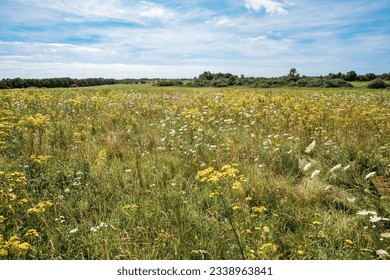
[{"x": 181, "y": 39}]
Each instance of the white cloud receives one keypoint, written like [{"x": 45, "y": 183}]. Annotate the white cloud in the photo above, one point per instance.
[
  {"x": 119, "y": 10},
  {"x": 270, "y": 6}
]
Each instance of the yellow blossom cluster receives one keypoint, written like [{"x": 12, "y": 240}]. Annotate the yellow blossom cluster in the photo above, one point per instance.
[
  {"x": 228, "y": 172},
  {"x": 40, "y": 207},
  {"x": 14, "y": 245}
]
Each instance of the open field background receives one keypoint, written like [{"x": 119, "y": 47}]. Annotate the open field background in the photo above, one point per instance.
[{"x": 140, "y": 172}]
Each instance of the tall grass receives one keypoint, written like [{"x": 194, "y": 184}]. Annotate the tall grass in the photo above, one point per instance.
[{"x": 170, "y": 173}]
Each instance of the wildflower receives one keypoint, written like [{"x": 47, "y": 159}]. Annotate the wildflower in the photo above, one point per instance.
[
  {"x": 235, "y": 207},
  {"x": 369, "y": 175},
  {"x": 131, "y": 207},
  {"x": 23, "y": 246},
  {"x": 203, "y": 174},
  {"x": 311, "y": 147},
  {"x": 40, "y": 207},
  {"x": 94, "y": 229},
  {"x": 316, "y": 223},
  {"x": 23, "y": 200},
  {"x": 315, "y": 173},
  {"x": 266, "y": 229},
  {"x": 300, "y": 252},
  {"x": 74, "y": 230},
  {"x": 375, "y": 218},
  {"x": 307, "y": 166},
  {"x": 248, "y": 231},
  {"x": 214, "y": 194},
  {"x": 320, "y": 234},
  {"x": 347, "y": 167},
  {"x": 3, "y": 252},
  {"x": 348, "y": 241},
  {"x": 102, "y": 157},
  {"x": 382, "y": 253},
  {"x": 336, "y": 167},
  {"x": 366, "y": 212},
  {"x": 268, "y": 247},
  {"x": 248, "y": 198},
  {"x": 259, "y": 209},
  {"x": 31, "y": 233},
  {"x": 39, "y": 159},
  {"x": 237, "y": 186},
  {"x": 385, "y": 234}
]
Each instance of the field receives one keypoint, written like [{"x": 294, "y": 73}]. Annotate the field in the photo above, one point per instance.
[{"x": 142, "y": 172}]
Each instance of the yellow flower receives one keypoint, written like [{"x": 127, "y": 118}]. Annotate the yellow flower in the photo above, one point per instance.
[
  {"x": 23, "y": 246},
  {"x": 213, "y": 194},
  {"x": 300, "y": 252},
  {"x": 248, "y": 230},
  {"x": 316, "y": 223},
  {"x": 2, "y": 219},
  {"x": 320, "y": 233},
  {"x": 236, "y": 207},
  {"x": 258, "y": 209},
  {"x": 131, "y": 207},
  {"x": 39, "y": 159},
  {"x": 237, "y": 186},
  {"x": 31, "y": 233},
  {"x": 268, "y": 247},
  {"x": 3, "y": 252},
  {"x": 40, "y": 207},
  {"x": 248, "y": 198},
  {"x": 266, "y": 229},
  {"x": 349, "y": 242},
  {"x": 22, "y": 201},
  {"x": 204, "y": 173}
]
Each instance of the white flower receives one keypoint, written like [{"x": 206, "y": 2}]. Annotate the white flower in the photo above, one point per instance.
[
  {"x": 382, "y": 253},
  {"x": 385, "y": 234},
  {"x": 315, "y": 173},
  {"x": 366, "y": 212},
  {"x": 311, "y": 147},
  {"x": 74, "y": 230},
  {"x": 369, "y": 175},
  {"x": 374, "y": 219},
  {"x": 307, "y": 166},
  {"x": 347, "y": 167},
  {"x": 334, "y": 168}
]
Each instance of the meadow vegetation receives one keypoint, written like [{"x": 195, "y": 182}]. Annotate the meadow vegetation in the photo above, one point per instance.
[{"x": 141, "y": 172}]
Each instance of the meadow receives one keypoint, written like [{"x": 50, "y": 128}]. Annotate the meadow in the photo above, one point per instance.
[{"x": 142, "y": 172}]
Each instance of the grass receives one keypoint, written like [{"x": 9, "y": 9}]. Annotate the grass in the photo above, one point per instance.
[{"x": 142, "y": 172}]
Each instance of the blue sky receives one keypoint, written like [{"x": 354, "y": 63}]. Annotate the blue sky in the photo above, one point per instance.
[{"x": 174, "y": 39}]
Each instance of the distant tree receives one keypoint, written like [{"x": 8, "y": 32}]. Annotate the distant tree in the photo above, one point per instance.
[
  {"x": 351, "y": 76},
  {"x": 293, "y": 75}
]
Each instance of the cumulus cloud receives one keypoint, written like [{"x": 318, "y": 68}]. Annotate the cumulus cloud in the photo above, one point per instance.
[{"x": 270, "y": 7}]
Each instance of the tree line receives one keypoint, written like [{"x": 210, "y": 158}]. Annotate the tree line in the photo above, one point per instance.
[{"x": 208, "y": 79}]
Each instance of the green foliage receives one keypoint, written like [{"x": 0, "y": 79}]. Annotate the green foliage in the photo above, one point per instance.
[{"x": 377, "y": 84}]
